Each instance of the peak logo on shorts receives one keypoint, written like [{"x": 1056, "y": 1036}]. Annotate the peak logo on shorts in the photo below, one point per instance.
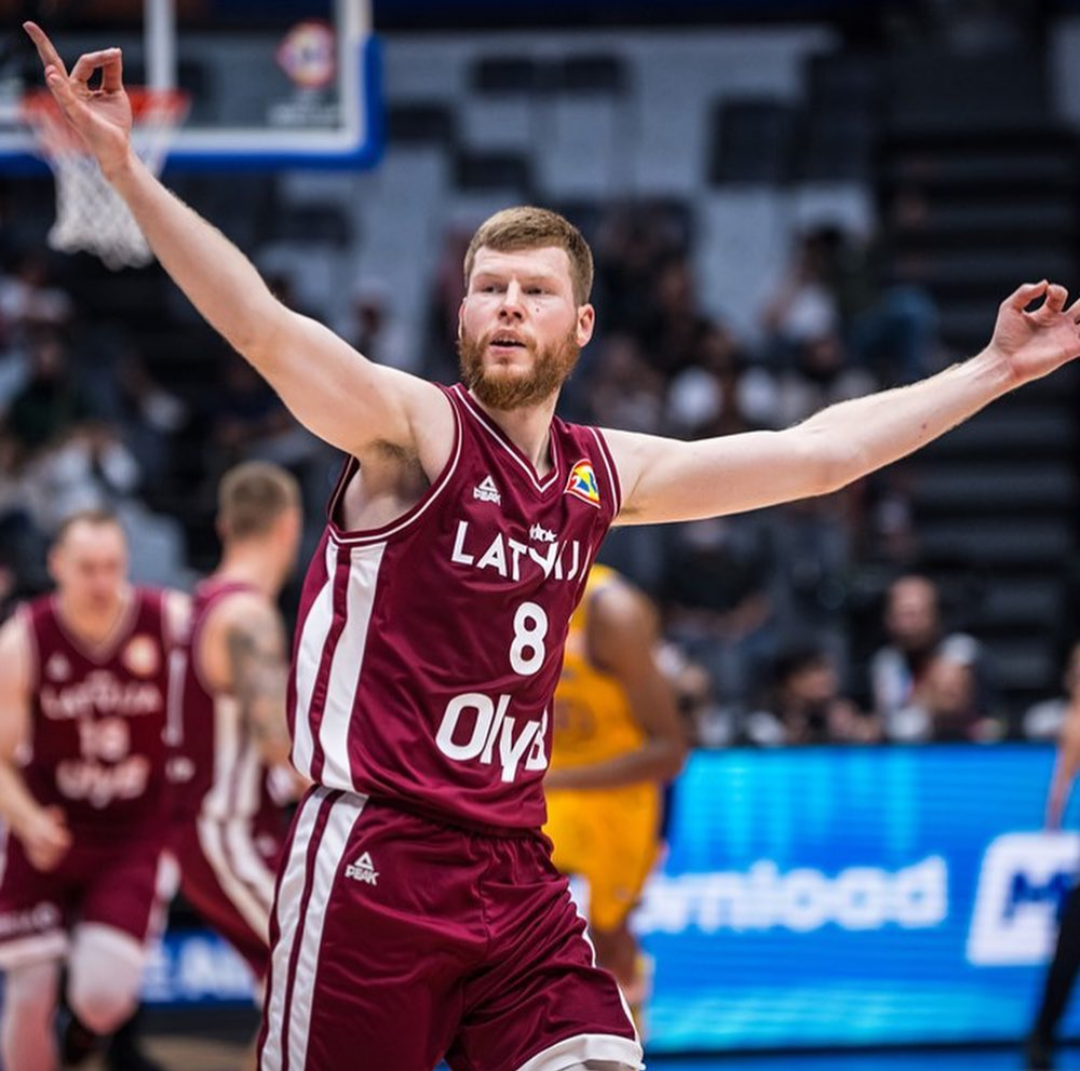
[
  {"x": 1023, "y": 879},
  {"x": 582, "y": 483},
  {"x": 363, "y": 870}
]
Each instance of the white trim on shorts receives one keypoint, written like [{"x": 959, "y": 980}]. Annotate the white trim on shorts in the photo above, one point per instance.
[
  {"x": 307, "y": 864},
  {"x": 37, "y": 948},
  {"x": 574, "y": 1051}
]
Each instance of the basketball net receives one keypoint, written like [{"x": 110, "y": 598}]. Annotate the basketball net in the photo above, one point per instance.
[{"x": 90, "y": 214}]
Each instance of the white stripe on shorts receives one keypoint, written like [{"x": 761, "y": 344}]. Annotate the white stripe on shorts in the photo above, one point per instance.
[
  {"x": 239, "y": 869},
  {"x": 304, "y": 933},
  {"x": 576, "y": 1051}
]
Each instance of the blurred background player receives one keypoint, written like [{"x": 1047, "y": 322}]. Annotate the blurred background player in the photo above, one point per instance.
[
  {"x": 1061, "y": 977},
  {"x": 618, "y": 738},
  {"x": 229, "y": 733},
  {"x": 82, "y": 793}
]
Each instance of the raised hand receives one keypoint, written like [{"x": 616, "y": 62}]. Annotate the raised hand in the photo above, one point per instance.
[
  {"x": 1035, "y": 343},
  {"x": 102, "y": 117}
]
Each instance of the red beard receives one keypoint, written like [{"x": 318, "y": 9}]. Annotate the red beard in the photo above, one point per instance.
[{"x": 505, "y": 389}]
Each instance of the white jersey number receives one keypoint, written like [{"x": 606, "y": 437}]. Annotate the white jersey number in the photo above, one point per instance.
[{"x": 530, "y": 629}]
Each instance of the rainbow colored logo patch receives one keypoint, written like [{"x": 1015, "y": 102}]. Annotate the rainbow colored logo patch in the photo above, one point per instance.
[{"x": 582, "y": 483}]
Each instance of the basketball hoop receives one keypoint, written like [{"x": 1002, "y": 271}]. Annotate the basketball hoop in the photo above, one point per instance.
[{"x": 90, "y": 214}]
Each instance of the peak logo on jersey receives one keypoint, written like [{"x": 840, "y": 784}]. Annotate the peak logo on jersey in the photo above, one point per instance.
[
  {"x": 486, "y": 491},
  {"x": 582, "y": 483},
  {"x": 1022, "y": 883},
  {"x": 141, "y": 657},
  {"x": 363, "y": 870},
  {"x": 58, "y": 668}
]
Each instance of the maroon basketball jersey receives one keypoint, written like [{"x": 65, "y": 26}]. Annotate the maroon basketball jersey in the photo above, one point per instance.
[
  {"x": 214, "y": 765},
  {"x": 98, "y": 719},
  {"x": 427, "y": 651}
]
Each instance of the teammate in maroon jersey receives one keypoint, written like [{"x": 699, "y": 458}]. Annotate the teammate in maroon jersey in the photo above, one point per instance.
[
  {"x": 227, "y": 729},
  {"x": 82, "y": 790},
  {"x": 418, "y": 913}
]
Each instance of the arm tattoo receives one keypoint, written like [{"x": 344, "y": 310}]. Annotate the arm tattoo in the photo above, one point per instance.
[{"x": 259, "y": 675}]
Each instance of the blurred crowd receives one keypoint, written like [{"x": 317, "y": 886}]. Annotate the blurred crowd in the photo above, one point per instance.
[{"x": 769, "y": 638}]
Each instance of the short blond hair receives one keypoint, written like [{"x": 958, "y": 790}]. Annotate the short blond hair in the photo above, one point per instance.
[
  {"x": 252, "y": 496},
  {"x": 94, "y": 517},
  {"x": 526, "y": 227}
]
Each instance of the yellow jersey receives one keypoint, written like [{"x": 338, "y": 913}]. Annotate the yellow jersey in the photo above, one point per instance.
[{"x": 593, "y": 720}]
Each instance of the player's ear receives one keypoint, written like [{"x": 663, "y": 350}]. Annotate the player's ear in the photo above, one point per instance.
[{"x": 586, "y": 324}]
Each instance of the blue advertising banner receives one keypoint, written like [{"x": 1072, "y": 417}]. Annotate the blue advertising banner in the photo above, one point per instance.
[
  {"x": 855, "y": 896},
  {"x": 823, "y": 897}
]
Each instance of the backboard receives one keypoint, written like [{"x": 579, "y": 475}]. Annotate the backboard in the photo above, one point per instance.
[{"x": 273, "y": 83}]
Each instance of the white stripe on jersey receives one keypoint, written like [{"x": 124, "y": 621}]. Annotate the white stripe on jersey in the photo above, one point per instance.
[
  {"x": 348, "y": 664},
  {"x": 174, "y": 704},
  {"x": 227, "y": 743},
  {"x": 305, "y": 930},
  {"x": 239, "y": 870},
  {"x": 308, "y": 660}
]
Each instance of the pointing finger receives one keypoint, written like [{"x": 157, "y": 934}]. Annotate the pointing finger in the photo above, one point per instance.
[{"x": 49, "y": 56}]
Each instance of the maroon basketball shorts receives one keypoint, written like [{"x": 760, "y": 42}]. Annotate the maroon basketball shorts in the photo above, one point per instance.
[
  {"x": 397, "y": 941},
  {"x": 228, "y": 870},
  {"x": 116, "y": 884}
]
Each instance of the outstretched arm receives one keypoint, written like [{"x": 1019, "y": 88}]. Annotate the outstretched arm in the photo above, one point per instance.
[
  {"x": 668, "y": 480},
  {"x": 622, "y": 637},
  {"x": 329, "y": 387}
]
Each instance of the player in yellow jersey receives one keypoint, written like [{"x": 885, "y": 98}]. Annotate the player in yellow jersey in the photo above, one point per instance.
[{"x": 618, "y": 738}]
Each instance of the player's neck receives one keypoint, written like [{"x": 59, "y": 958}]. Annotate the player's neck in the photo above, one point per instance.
[
  {"x": 252, "y": 565},
  {"x": 92, "y": 625},
  {"x": 529, "y": 429}
]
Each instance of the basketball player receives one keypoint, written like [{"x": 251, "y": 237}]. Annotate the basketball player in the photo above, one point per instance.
[
  {"x": 83, "y": 689},
  {"x": 1061, "y": 976},
  {"x": 617, "y": 740},
  {"x": 228, "y": 731},
  {"x": 418, "y": 912}
]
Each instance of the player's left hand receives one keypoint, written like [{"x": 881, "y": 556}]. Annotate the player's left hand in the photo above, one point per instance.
[{"x": 1035, "y": 343}]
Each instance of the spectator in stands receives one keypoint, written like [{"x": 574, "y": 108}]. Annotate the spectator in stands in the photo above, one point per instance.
[
  {"x": 624, "y": 390},
  {"x": 948, "y": 705},
  {"x": 805, "y": 705},
  {"x": 377, "y": 331},
  {"x": 53, "y": 400},
  {"x": 30, "y": 300},
  {"x": 1045, "y": 720},
  {"x": 841, "y": 288},
  {"x": 925, "y": 678},
  {"x": 812, "y": 544},
  {"x": 632, "y": 245},
  {"x": 716, "y": 589},
  {"x": 674, "y": 326},
  {"x": 719, "y": 394}
]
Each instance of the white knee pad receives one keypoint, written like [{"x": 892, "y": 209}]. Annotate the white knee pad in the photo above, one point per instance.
[{"x": 105, "y": 970}]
